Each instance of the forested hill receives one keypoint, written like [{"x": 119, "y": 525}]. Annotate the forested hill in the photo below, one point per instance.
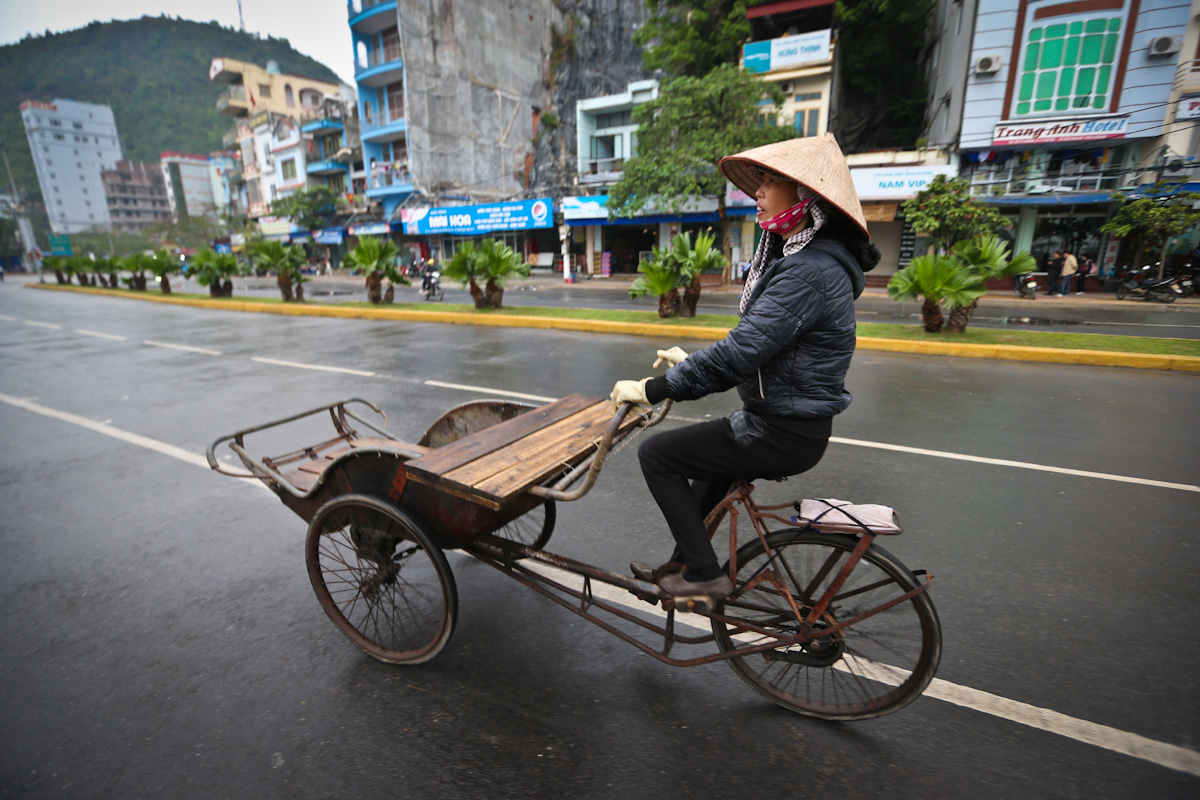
[{"x": 152, "y": 71}]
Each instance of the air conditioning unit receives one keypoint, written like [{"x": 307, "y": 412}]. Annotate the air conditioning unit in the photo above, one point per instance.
[
  {"x": 786, "y": 87},
  {"x": 1165, "y": 45},
  {"x": 1175, "y": 166},
  {"x": 988, "y": 65}
]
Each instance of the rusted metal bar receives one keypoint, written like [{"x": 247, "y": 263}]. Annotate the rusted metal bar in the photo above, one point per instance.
[{"x": 864, "y": 542}]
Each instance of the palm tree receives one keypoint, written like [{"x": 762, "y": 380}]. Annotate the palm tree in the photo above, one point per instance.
[
  {"x": 490, "y": 261},
  {"x": 286, "y": 263},
  {"x": 106, "y": 269},
  {"x": 693, "y": 261},
  {"x": 986, "y": 256},
  {"x": 372, "y": 256},
  {"x": 936, "y": 279},
  {"x": 137, "y": 264},
  {"x": 660, "y": 276},
  {"x": 163, "y": 265},
  {"x": 58, "y": 264},
  {"x": 215, "y": 270}
]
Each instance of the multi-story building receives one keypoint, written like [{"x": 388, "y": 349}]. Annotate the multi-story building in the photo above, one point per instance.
[
  {"x": 334, "y": 150},
  {"x": 136, "y": 196},
  {"x": 253, "y": 89},
  {"x": 1053, "y": 106},
  {"x": 791, "y": 45},
  {"x": 71, "y": 144},
  {"x": 189, "y": 182}
]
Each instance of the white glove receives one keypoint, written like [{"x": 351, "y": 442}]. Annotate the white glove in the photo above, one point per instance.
[
  {"x": 672, "y": 356},
  {"x": 629, "y": 392}
]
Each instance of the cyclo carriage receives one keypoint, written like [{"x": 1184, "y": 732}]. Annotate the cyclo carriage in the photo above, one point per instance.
[{"x": 822, "y": 621}]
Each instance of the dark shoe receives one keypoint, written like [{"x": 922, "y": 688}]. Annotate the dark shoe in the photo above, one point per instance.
[
  {"x": 675, "y": 586},
  {"x": 645, "y": 572}
]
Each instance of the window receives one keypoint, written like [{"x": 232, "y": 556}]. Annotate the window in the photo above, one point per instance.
[
  {"x": 264, "y": 90},
  {"x": 614, "y": 119},
  {"x": 289, "y": 169},
  {"x": 77, "y": 126},
  {"x": 807, "y": 122},
  {"x": 768, "y": 120},
  {"x": 1068, "y": 63},
  {"x": 56, "y": 123},
  {"x": 289, "y": 96},
  {"x": 808, "y": 97},
  {"x": 58, "y": 137}
]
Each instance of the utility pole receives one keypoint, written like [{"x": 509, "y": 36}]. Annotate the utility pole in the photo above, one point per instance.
[
  {"x": 24, "y": 227},
  {"x": 241, "y": 19}
]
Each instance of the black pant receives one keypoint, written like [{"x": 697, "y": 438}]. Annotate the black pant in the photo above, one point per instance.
[{"x": 707, "y": 456}]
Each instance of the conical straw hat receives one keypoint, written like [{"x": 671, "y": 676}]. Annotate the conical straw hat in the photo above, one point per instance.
[{"x": 814, "y": 161}]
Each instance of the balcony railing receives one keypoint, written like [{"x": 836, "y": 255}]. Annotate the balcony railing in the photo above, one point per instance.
[
  {"x": 383, "y": 118},
  {"x": 383, "y": 55},
  {"x": 234, "y": 94},
  {"x": 596, "y": 166},
  {"x": 363, "y": 5},
  {"x": 384, "y": 174},
  {"x": 1018, "y": 178}
]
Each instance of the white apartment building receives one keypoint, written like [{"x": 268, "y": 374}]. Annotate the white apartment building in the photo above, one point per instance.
[
  {"x": 71, "y": 144},
  {"x": 189, "y": 180}
]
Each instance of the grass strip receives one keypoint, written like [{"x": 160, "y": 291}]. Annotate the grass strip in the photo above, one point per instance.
[{"x": 910, "y": 332}]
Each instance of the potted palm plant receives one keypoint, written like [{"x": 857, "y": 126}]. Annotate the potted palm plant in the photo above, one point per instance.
[
  {"x": 660, "y": 275},
  {"x": 215, "y": 270},
  {"x": 986, "y": 256},
  {"x": 163, "y": 265},
  {"x": 373, "y": 256},
  {"x": 286, "y": 263},
  {"x": 936, "y": 279}
]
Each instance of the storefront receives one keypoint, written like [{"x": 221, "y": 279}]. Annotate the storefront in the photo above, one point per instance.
[
  {"x": 527, "y": 226},
  {"x": 602, "y": 247}
]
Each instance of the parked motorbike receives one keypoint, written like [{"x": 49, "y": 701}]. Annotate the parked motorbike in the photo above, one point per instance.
[
  {"x": 1187, "y": 284},
  {"x": 1025, "y": 286},
  {"x": 433, "y": 286},
  {"x": 1162, "y": 290}
]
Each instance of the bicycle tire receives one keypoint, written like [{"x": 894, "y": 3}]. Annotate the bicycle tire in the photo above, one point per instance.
[
  {"x": 381, "y": 580},
  {"x": 533, "y": 528},
  {"x": 852, "y": 674}
]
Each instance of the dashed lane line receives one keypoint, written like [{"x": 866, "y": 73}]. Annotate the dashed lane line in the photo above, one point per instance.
[
  {"x": 1043, "y": 719},
  {"x": 1103, "y": 736},
  {"x": 99, "y": 335},
  {"x": 7, "y": 318},
  {"x": 47, "y": 325},
  {"x": 298, "y": 365},
  {"x": 486, "y": 390},
  {"x": 185, "y": 347}
]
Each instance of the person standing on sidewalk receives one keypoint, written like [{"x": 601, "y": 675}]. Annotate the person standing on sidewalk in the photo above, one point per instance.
[
  {"x": 1070, "y": 266},
  {"x": 1054, "y": 265},
  {"x": 787, "y": 356},
  {"x": 1086, "y": 267}
]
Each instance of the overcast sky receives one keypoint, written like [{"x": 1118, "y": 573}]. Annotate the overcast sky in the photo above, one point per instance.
[{"x": 316, "y": 28}]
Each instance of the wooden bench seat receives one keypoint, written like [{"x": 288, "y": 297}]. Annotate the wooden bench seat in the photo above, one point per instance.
[{"x": 497, "y": 464}]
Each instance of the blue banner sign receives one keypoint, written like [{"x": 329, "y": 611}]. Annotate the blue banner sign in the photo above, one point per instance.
[
  {"x": 369, "y": 228},
  {"x": 519, "y": 215},
  {"x": 328, "y": 236}
]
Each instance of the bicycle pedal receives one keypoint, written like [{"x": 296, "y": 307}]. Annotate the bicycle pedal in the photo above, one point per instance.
[{"x": 697, "y": 604}]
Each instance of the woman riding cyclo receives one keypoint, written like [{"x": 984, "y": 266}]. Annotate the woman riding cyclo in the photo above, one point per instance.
[{"x": 787, "y": 356}]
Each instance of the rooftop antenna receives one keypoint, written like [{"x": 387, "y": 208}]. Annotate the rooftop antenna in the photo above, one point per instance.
[{"x": 241, "y": 19}]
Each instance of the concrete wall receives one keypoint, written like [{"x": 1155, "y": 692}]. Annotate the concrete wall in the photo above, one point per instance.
[{"x": 474, "y": 75}]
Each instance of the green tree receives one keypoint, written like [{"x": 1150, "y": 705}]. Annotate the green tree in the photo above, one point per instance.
[
  {"x": 163, "y": 265},
  {"x": 215, "y": 270},
  {"x": 684, "y": 132},
  {"x": 489, "y": 261},
  {"x": 308, "y": 208},
  {"x": 883, "y": 93},
  {"x": 660, "y": 276},
  {"x": 372, "y": 256},
  {"x": 692, "y": 37},
  {"x": 1152, "y": 221},
  {"x": 286, "y": 262},
  {"x": 987, "y": 257},
  {"x": 186, "y": 233},
  {"x": 936, "y": 279},
  {"x": 137, "y": 265},
  {"x": 106, "y": 270},
  {"x": 946, "y": 213}
]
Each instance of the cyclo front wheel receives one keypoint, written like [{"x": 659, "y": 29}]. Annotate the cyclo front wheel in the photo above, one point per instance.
[
  {"x": 381, "y": 579},
  {"x": 875, "y": 666}
]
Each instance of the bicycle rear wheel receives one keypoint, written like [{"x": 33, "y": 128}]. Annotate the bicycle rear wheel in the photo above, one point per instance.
[
  {"x": 874, "y": 667},
  {"x": 381, "y": 579}
]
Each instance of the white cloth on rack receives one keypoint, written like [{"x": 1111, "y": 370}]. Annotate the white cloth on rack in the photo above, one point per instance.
[{"x": 878, "y": 518}]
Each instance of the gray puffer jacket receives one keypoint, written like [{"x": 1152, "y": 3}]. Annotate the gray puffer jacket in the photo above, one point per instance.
[{"x": 789, "y": 354}]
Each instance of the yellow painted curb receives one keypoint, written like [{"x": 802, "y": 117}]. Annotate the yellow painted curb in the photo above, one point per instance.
[{"x": 1105, "y": 358}]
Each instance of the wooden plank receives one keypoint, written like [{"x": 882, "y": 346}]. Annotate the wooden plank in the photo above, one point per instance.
[
  {"x": 304, "y": 481},
  {"x": 528, "y": 447},
  {"x": 444, "y": 459},
  {"x": 503, "y": 486}
]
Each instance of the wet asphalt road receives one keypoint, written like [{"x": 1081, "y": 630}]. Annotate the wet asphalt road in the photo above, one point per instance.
[{"x": 162, "y": 639}]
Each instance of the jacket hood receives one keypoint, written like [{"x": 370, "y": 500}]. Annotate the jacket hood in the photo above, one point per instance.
[{"x": 856, "y": 256}]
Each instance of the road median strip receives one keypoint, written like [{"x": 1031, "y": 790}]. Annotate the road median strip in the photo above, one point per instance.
[{"x": 1106, "y": 358}]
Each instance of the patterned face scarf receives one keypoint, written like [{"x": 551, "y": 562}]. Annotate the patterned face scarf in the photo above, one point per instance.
[{"x": 794, "y": 244}]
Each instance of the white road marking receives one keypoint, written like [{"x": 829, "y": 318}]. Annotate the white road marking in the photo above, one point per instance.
[
  {"x": 486, "y": 390},
  {"x": 185, "y": 347},
  {"x": 298, "y": 365},
  {"x": 98, "y": 335},
  {"x": 7, "y": 318},
  {"x": 49, "y": 325},
  {"x": 1044, "y": 719},
  {"x": 1185, "y": 487}
]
